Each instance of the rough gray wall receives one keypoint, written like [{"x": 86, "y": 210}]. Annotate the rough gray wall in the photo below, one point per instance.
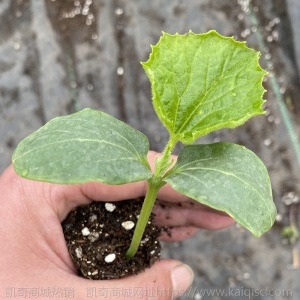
[{"x": 293, "y": 12}]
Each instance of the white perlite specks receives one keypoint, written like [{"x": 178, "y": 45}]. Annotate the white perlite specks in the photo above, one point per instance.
[
  {"x": 128, "y": 225},
  {"x": 93, "y": 236},
  {"x": 145, "y": 240},
  {"x": 95, "y": 272},
  {"x": 85, "y": 231},
  {"x": 110, "y": 207},
  {"x": 110, "y": 257},
  {"x": 93, "y": 218},
  {"x": 78, "y": 252}
]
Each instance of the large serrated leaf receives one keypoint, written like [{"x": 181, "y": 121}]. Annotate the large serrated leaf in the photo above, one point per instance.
[
  {"x": 204, "y": 82},
  {"x": 229, "y": 178},
  {"x": 83, "y": 147}
]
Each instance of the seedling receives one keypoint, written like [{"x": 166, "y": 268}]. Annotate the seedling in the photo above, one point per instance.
[{"x": 200, "y": 83}]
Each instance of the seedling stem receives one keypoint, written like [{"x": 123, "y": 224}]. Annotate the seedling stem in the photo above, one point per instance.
[{"x": 154, "y": 185}]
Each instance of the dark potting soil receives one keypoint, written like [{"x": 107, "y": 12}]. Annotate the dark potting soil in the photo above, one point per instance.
[{"x": 99, "y": 234}]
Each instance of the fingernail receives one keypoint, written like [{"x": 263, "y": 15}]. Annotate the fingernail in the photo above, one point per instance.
[{"x": 182, "y": 278}]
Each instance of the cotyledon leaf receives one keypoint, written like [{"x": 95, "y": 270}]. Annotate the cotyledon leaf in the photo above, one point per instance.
[
  {"x": 204, "y": 82},
  {"x": 226, "y": 177},
  {"x": 86, "y": 146}
]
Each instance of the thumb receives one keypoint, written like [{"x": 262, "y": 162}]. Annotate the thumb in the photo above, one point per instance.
[{"x": 166, "y": 279}]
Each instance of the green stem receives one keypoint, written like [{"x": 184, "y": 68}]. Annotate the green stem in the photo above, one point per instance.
[
  {"x": 153, "y": 188},
  {"x": 154, "y": 185}
]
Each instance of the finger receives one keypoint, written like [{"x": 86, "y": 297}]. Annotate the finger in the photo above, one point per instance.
[
  {"x": 176, "y": 234},
  {"x": 164, "y": 280},
  {"x": 105, "y": 192},
  {"x": 168, "y": 194},
  {"x": 200, "y": 217},
  {"x": 63, "y": 198},
  {"x": 67, "y": 197}
]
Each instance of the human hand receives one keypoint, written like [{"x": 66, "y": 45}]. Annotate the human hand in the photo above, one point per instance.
[{"x": 34, "y": 258}]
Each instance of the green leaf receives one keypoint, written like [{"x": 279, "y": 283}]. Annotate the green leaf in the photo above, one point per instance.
[
  {"x": 83, "y": 147},
  {"x": 204, "y": 82},
  {"x": 229, "y": 178}
]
